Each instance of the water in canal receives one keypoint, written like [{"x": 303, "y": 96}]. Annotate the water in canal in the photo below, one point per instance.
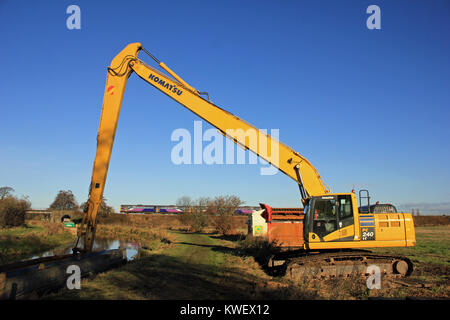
[{"x": 132, "y": 248}]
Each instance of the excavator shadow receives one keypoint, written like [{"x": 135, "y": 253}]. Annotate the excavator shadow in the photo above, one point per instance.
[
  {"x": 240, "y": 247},
  {"x": 212, "y": 246}
]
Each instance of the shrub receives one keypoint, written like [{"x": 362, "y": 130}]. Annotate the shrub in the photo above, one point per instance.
[
  {"x": 12, "y": 211},
  {"x": 54, "y": 228},
  {"x": 198, "y": 218},
  {"x": 224, "y": 224},
  {"x": 258, "y": 247},
  {"x": 223, "y": 207}
]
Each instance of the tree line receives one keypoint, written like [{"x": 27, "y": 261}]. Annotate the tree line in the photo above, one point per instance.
[
  {"x": 65, "y": 200},
  {"x": 13, "y": 208},
  {"x": 198, "y": 213}
]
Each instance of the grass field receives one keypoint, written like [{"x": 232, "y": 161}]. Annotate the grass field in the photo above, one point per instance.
[
  {"x": 432, "y": 247},
  {"x": 431, "y": 258}
]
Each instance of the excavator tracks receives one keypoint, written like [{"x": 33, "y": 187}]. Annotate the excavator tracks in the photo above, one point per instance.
[{"x": 339, "y": 264}]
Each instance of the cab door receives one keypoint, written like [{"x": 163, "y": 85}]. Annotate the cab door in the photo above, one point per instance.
[
  {"x": 346, "y": 221},
  {"x": 324, "y": 218}
]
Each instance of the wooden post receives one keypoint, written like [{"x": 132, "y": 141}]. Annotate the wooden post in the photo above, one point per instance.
[
  {"x": 2, "y": 285},
  {"x": 138, "y": 255}
]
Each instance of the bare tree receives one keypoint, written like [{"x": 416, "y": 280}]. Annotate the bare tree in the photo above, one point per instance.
[
  {"x": 184, "y": 203},
  {"x": 198, "y": 217},
  {"x": 204, "y": 211},
  {"x": 203, "y": 204},
  {"x": 65, "y": 200},
  {"x": 5, "y": 192},
  {"x": 223, "y": 207}
]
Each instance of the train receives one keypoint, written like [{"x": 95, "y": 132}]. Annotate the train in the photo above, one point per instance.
[{"x": 140, "y": 208}]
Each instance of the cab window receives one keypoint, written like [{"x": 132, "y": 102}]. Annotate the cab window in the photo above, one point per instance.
[{"x": 325, "y": 216}]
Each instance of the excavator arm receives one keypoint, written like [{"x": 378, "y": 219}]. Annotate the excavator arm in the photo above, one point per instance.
[{"x": 242, "y": 133}]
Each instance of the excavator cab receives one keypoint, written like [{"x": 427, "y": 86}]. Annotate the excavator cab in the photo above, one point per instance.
[
  {"x": 334, "y": 221},
  {"x": 329, "y": 218}
]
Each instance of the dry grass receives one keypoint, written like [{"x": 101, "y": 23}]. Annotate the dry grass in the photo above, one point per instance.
[
  {"x": 258, "y": 247},
  {"x": 49, "y": 228},
  {"x": 21, "y": 242},
  {"x": 171, "y": 222},
  {"x": 149, "y": 238}
]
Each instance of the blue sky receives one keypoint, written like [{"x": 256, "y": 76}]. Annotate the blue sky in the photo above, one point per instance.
[{"x": 368, "y": 108}]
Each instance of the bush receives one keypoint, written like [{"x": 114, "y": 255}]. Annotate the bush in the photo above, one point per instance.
[
  {"x": 12, "y": 211},
  {"x": 223, "y": 207},
  {"x": 205, "y": 212},
  {"x": 198, "y": 218},
  {"x": 258, "y": 247},
  {"x": 224, "y": 224}
]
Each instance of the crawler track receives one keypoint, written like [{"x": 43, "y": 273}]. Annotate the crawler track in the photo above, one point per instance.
[{"x": 338, "y": 264}]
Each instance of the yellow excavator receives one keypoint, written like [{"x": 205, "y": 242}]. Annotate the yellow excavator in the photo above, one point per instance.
[{"x": 335, "y": 231}]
